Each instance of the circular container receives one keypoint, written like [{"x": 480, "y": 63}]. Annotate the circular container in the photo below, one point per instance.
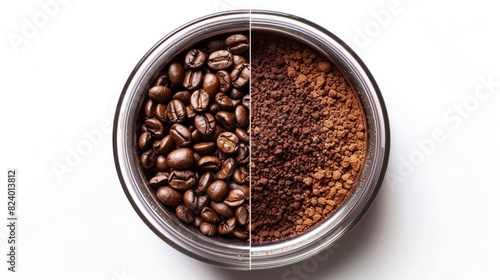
[{"x": 242, "y": 255}]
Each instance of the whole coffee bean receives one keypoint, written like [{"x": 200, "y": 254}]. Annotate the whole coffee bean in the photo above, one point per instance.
[
  {"x": 235, "y": 198},
  {"x": 223, "y": 101},
  {"x": 208, "y": 229},
  {"x": 240, "y": 75},
  {"x": 160, "y": 94},
  {"x": 211, "y": 85},
  {"x": 226, "y": 120},
  {"x": 166, "y": 145},
  {"x": 239, "y": 233},
  {"x": 161, "y": 112},
  {"x": 242, "y": 135},
  {"x": 228, "y": 142},
  {"x": 213, "y": 108},
  {"x": 217, "y": 191},
  {"x": 241, "y": 115},
  {"x": 226, "y": 169},
  {"x": 209, "y": 215},
  {"x": 155, "y": 127},
  {"x": 204, "y": 147},
  {"x": 238, "y": 59},
  {"x": 160, "y": 179},
  {"x": 205, "y": 123},
  {"x": 239, "y": 177},
  {"x": 168, "y": 196},
  {"x": 215, "y": 45},
  {"x": 182, "y": 158},
  {"x": 246, "y": 101},
  {"x": 162, "y": 80},
  {"x": 195, "y": 59},
  {"x": 193, "y": 79},
  {"x": 183, "y": 96},
  {"x": 235, "y": 93},
  {"x": 237, "y": 43},
  {"x": 145, "y": 141},
  {"x": 184, "y": 214},
  {"x": 203, "y": 183},
  {"x": 148, "y": 159},
  {"x": 225, "y": 81},
  {"x": 209, "y": 163},
  {"x": 161, "y": 163},
  {"x": 176, "y": 111},
  {"x": 181, "y": 135},
  {"x": 243, "y": 187},
  {"x": 222, "y": 209},
  {"x": 200, "y": 100},
  {"x": 242, "y": 215},
  {"x": 227, "y": 226},
  {"x": 242, "y": 154},
  {"x": 202, "y": 202},
  {"x": 190, "y": 200},
  {"x": 149, "y": 108},
  {"x": 219, "y": 60},
  {"x": 176, "y": 73},
  {"x": 182, "y": 179}
]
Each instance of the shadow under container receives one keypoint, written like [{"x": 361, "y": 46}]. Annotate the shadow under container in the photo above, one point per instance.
[{"x": 234, "y": 254}]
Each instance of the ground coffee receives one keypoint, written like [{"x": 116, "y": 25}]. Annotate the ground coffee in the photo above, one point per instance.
[{"x": 308, "y": 139}]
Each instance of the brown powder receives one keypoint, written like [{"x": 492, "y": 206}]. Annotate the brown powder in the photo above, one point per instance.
[{"x": 308, "y": 139}]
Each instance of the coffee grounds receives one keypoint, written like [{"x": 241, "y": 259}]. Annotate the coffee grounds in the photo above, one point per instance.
[{"x": 308, "y": 139}]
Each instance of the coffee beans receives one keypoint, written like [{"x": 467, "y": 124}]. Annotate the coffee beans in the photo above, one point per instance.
[
  {"x": 217, "y": 191},
  {"x": 182, "y": 179},
  {"x": 205, "y": 123},
  {"x": 195, "y": 59},
  {"x": 176, "y": 74},
  {"x": 221, "y": 59},
  {"x": 209, "y": 163},
  {"x": 189, "y": 141},
  {"x": 176, "y": 111},
  {"x": 235, "y": 198},
  {"x": 228, "y": 142},
  {"x": 169, "y": 196},
  {"x": 296, "y": 155},
  {"x": 160, "y": 94},
  {"x": 155, "y": 127},
  {"x": 240, "y": 75},
  {"x": 237, "y": 43},
  {"x": 200, "y": 100},
  {"x": 184, "y": 214},
  {"x": 181, "y": 158},
  {"x": 193, "y": 79}
]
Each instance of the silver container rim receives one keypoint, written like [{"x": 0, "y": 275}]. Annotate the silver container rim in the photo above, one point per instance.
[{"x": 242, "y": 256}]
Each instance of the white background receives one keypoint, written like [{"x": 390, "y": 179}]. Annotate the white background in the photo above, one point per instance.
[{"x": 436, "y": 216}]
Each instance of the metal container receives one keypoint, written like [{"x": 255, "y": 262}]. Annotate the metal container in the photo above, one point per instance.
[{"x": 242, "y": 255}]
